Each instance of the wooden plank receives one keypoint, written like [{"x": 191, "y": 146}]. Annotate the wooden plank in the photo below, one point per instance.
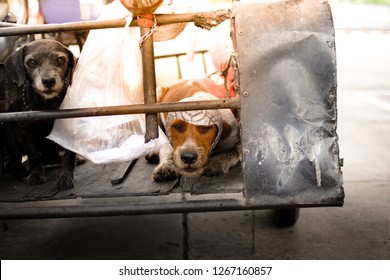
[
  {"x": 228, "y": 183},
  {"x": 94, "y": 181}
]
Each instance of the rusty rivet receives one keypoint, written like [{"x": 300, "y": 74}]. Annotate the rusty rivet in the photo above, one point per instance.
[
  {"x": 330, "y": 44},
  {"x": 240, "y": 32},
  {"x": 247, "y": 152}
]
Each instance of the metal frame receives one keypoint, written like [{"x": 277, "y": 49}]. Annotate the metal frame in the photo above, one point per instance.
[
  {"x": 173, "y": 203},
  {"x": 150, "y": 106},
  {"x": 137, "y": 206},
  {"x": 94, "y": 206}
]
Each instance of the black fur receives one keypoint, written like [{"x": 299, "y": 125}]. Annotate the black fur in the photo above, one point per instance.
[{"x": 40, "y": 72}]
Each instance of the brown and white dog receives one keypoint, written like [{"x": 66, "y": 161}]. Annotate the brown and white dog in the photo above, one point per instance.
[{"x": 201, "y": 142}]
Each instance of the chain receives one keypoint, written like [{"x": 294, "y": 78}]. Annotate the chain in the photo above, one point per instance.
[{"x": 150, "y": 32}]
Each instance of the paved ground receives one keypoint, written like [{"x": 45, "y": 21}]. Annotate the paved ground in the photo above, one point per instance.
[{"x": 359, "y": 230}]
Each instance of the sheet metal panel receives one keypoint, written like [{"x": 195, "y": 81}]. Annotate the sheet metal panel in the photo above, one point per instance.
[{"x": 287, "y": 82}]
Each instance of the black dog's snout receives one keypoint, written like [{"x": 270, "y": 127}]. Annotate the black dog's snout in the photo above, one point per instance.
[
  {"x": 189, "y": 158},
  {"x": 48, "y": 82}
]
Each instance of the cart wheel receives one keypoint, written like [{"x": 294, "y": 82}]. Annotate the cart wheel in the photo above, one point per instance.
[{"x": 285, "y": 217}]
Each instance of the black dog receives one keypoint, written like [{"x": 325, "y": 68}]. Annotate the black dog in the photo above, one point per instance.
[{"x": 40, "y": 72}]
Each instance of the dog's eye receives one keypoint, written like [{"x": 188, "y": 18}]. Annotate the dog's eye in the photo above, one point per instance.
[
  {"x": 60, "y": 61},
  {"x": 204, "y": 129},
  {"x": 32, "y": 64},
  {"x": 178, "y": 127}
]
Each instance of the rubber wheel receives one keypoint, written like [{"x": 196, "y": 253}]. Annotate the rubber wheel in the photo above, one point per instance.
[{"x": 285, "y": 217}]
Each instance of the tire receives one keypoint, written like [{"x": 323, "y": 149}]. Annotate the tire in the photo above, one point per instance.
[{"x": 285, "y": 217}]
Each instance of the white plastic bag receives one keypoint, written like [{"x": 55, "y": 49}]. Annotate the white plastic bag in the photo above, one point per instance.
[{"x": 108, "y": 73}]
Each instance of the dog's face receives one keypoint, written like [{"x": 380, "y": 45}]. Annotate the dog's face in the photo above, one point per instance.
[
  {"x": 46, "y": 71},
  {"x": 191, "y": 145},
  {"x": 47, "y": 64}
]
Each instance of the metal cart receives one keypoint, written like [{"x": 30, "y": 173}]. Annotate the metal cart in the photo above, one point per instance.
[{"x": 285, "y": 77}]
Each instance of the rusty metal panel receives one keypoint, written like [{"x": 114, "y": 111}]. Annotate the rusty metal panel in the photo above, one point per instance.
[{"x": 287, "y": 82}]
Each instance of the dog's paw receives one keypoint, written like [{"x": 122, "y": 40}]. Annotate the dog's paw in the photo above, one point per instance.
[
  {"x": 34, "y": 179},
  {"x": 211, "y": 172},
  {"x": 65, "y": 183},
  {"x": 164, "y": 172},
  {"x": 153, "y": 157},
  {"x": 214, "y": 168},
  {"x": 220, "y": 164}
]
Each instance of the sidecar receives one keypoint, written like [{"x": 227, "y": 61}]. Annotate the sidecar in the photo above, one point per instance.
[{"x": 285, "y": 79}]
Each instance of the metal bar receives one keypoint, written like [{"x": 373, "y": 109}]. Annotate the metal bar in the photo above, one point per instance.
[
  {"x": 204, "y": 63},
  {"x": 178, "y": 67},
  {"x": 144, "y": 209},
  {"x": 1, "y": 152},
  {"x": 177, "y": 57},
  {"x": 149, "y": 82},
  {"x": 178, "y": 54},
  {"x": 7, "y": 29},
  {"x": 234, "y": 58},
  {"x": 18, "y": 29},
  {"x": 232, "y": 103}
]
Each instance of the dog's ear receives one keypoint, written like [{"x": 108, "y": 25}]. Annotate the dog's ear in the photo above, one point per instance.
[
  {"x": 226, "y": 130},
  {"x": 71, "y": 66},
  {"x": 15, "y": 67},
  {"x": 161, "y": 92}
]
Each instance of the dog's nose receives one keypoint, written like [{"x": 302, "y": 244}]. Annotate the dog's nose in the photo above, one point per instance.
[
  {"x": 189, "y": 158},
  {"x": 48, "y": 82}
]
